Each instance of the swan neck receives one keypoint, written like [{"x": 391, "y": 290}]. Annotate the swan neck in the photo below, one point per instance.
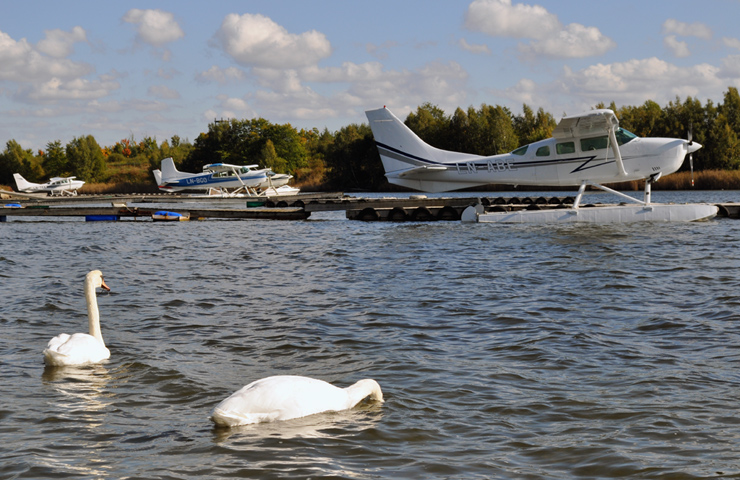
[{"x": 93, "y": 315}]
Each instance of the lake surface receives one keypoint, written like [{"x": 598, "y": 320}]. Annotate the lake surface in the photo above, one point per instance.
[{"x": 503, "y": 351}]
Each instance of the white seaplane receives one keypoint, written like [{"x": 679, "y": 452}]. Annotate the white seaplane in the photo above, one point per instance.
[
  {"x": 55, "y": 185},
  {"x": 585, "y": 150},
  {"x": 221, "y": 178}
]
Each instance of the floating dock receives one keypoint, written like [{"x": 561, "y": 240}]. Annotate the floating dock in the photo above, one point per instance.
[{"x": 415, "y": 208}]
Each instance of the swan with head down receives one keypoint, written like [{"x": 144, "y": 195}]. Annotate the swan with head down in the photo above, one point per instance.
[
  {"x": 81, "y": 348},
  {"x": 285, "y": 397}
]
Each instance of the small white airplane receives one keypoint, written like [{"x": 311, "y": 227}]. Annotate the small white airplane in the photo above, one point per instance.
[
  {"x": 585, "y": 150},
  {"x": 224, "y": 178},
  {"x": 215, "y": 176},
  {"x": 55, "y": 185}
]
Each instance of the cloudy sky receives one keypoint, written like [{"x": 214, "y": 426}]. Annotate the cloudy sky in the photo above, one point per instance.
[{"x": 160, "y": 68}]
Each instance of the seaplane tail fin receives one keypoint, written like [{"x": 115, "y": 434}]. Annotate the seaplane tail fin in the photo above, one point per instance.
[
  {"x": 169, "y": 171},
  {"x": 22, "y": 183},
  {"x": 157, "y": 176},
  {"x": 403, "y": 152},
  {"x": 399, "y": 147}
]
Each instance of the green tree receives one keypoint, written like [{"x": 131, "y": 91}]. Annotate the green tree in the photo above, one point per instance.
[
  {"x": 491, "y": 130},
  {"x": 431, "y": 125},
  {"x": 643, "y": 121},
  {"x": 269, "y": 158},
  {"x": 531, "y": 128},
  {"x": 17, "y": 160},
  {"x": 459, "y": 131},
  {"x": 243, "y": 142},
  {"x": 727, "y": 152},
  {"x": 730, "y": 108},
  {"x": 85, "y": 159},
  {"x": 55, "y": 159},
  {"x": 353, "y": 161}
]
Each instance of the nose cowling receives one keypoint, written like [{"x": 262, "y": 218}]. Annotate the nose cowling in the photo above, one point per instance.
[{"x": 693, "y": 146}]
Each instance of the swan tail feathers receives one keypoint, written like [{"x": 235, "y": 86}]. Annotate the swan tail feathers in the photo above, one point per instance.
[
  {"x": 53, "y": 358},
  {"x": 55, "y": 342}
]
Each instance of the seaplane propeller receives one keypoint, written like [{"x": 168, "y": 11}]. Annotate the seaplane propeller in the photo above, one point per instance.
[{"x": 691, "y": 155}]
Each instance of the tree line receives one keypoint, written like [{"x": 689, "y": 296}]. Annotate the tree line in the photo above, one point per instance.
[{"x": 347, "y": 159}]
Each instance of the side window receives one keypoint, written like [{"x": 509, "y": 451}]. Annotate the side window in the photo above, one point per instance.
[
  {"x": 596, "y": 143},
  {"x": 565, "y": 147},
  {"x": 543, "y": 151},
  {"x": 520, "y": 150}
]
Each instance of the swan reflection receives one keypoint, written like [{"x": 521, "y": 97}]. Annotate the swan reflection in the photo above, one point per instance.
[
  {"x": 80, "y": 387},
  {"x": 321, "y": 425}
]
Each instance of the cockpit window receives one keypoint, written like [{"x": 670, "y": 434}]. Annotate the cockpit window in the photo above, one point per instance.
[
  {"x": 543, "y": 151},
  {"x": 624, "y": 136},
  {"x": 520, "y": 150}
]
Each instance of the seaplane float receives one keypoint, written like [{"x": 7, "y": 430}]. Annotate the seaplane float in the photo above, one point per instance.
[
  {"x": 55, "y": 185},
  {"x": 224, "y": 179},
  {"x": 585, "y": 150}
]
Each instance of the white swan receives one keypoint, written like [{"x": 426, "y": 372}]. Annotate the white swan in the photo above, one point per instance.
[
  {"x": 81, "y": 348},
  {"x": 288, "y": 396}
]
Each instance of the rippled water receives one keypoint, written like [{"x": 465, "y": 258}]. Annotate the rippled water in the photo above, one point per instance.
[{"x": 503, "y": 351}]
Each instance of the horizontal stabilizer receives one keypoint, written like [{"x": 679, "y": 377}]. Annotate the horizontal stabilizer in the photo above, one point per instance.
[{"x": 424, "y": 168}]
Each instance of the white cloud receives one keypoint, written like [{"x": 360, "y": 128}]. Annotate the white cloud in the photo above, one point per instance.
[
  {"x": 696, "y": 29},
  {"x": 289, "y": 94},
  {"x": 279, "y": 80},
  {"x": 527, "y": 91},
  {"x": 575, "y": 41},
  {"x": 220, "y": 75},
  {"x": 76, "y": 89},
  {"x": 167, "y": 73},
  {"x": 677, "y": 47},
  {"x": 257, "y": 41},
  {"x": 59, "y": 43},
  {"x": 499, "y": 18},
  {"x": 731, "y": 42},
  {"x": 22, "y": 63},
  {"x": 731, "y": 67},
  {"x": 634, "y": 81},
  {"x": 140, "y": 105},
  {"x": 480, "y": 48},
  {"x": 154, "y": 27},
  {"x": 549, "y": 38},
  {"x": 164, "y": 92},
  {"x": 230, "y": 107},
  {"x": 380, "y": 51}
]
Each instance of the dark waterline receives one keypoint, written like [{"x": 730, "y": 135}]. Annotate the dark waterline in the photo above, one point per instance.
[{"x": 503, "y": 351}]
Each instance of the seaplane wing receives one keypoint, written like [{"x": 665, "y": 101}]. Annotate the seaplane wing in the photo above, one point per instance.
[
  {"x": 217, "y": 176},
  {"x": 585, "y": 149},
  {"x": 226, "y": 167},
  {"x": 55, "y": 185},
  {"x": 595, "y": 122}
]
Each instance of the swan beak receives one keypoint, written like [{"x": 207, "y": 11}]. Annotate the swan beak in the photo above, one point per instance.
[{"x": 103, "y": 285}]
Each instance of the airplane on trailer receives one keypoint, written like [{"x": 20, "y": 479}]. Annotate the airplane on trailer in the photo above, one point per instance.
[
  {"x": 215, "y": 176},
  {"x": 589, "y": 149},
  {"x": 55, "y": 185}
]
